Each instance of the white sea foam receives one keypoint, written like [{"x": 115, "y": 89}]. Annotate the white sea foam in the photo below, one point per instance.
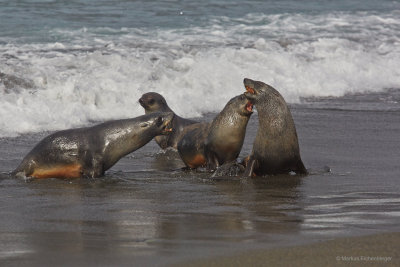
[{"x": 99, "y": 74}]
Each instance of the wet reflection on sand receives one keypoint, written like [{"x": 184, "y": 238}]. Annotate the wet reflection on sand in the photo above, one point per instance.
[{"x": 145, "y": 215}]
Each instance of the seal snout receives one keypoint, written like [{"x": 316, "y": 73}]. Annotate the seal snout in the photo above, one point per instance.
[
  {"x": 249, "y": 85},
  {"x": 167, "y": 123},
  {"x": 141, "y": 102},
  {"x": 250, "y": 90},
  {"x": 147, "y": 100}
]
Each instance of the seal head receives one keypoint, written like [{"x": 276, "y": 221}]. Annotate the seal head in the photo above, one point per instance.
[{"x": 154, "y": 102}]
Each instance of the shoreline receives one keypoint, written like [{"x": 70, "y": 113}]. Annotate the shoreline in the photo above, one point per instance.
[
  {"x": 377, "y": 250},
  {"x": 149, "y": 212}
]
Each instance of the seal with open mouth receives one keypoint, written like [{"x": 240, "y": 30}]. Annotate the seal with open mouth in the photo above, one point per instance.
[
  {"x": 213, "y": 144},
  {"x": 276, "y": 148},
  {"x": 90, "y": 151},
  {"x": 154, "y": 102}
]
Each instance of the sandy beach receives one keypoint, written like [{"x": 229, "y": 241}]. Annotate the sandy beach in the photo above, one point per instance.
[{"x": 374, "y": 250}]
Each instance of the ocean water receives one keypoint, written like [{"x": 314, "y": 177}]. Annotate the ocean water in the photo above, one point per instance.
[{"x": 65, "y": 64}]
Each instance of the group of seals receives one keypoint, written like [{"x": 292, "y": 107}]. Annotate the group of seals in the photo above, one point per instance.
[
  {"x": 211, "y": 145},
  {"x": 90, "y": 151}
]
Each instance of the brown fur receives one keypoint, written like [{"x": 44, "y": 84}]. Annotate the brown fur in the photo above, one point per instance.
[{"x": 70, "y": 171}]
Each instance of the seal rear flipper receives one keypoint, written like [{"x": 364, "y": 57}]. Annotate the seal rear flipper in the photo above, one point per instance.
[
  {"x": 24, "y": 170},
  {"x": 19, "y": 174}
]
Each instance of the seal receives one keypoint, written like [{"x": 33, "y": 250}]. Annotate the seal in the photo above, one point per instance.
[
  {"x": 213, "y": 144},
  {"x": 154, "y": 102},
  {"x": 90, "y": 151},
  {"x": 191, "y": 145},
  {"x": 276, "y": 148}
]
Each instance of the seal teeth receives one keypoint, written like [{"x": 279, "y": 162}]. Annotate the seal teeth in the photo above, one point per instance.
[
  {"x": 249, "y": 106},
  {"x": 168, "y": 127},
  {"x": 250, "y": 90}
]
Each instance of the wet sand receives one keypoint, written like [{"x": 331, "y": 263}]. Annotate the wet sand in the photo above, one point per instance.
[
  {"x": 147, "y": 211},
  {"x": 374, "y": 250}
]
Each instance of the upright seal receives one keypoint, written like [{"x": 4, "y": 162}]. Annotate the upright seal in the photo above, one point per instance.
[
  {"x": 90, "y": 151},
  {"x": 213, "y": 144},
  {"x": 276, "y": 148},
  {"x": 154, "y": 102}
]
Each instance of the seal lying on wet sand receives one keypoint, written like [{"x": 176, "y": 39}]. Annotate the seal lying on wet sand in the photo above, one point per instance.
[
  {"x": 213, "y": 144},
  {"x": 90, "y": 151},
  {"x": 154, "y": 102},
  {"x": 276, "y": 148}
]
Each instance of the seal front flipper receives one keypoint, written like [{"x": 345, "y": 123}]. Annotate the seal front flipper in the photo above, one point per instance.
[
  {"x": 94, "y": 167},
  {"x": 251, "y": 165},
  {"x": 212, "y": 161},
  {"x": 230, "y": 169}
]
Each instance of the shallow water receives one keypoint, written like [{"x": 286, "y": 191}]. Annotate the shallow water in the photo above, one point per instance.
[
  {"x": 65, "y": 64},
  {"x": 148, "y": 211}
]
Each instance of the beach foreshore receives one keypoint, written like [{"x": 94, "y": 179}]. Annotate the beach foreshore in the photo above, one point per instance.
[{"x": 373, "y": 250}]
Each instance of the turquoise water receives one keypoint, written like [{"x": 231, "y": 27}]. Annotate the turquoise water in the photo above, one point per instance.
[
  {"x": 76, "y": 62},
  {"x": 25, "y": 18}
]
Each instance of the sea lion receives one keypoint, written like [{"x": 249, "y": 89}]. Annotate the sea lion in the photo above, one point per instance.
[
  {"x": 154, "y": 102},
  {"x": 213, "y": 144},
  {"x": 90, "y": 151},
  {"x": 276, "y": 148}
]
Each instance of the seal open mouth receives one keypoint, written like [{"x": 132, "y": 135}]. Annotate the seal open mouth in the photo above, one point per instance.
[
  {"x": 250, "y": 90},
  {"x": 167, "y": 128},
  {"x": 249, "y": 106}
]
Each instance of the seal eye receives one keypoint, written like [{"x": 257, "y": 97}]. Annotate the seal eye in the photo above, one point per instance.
[
  {"x": 151, "y": 101},
  {"x": 159, "y": 121},
  {"x": 144, "y": 124}
]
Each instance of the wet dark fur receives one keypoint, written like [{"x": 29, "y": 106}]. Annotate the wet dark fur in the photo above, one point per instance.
[
  {"x": 276, "y": 148},
  {"x": 90, "y": 151},
  {"x": 219, "y": 141}
]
